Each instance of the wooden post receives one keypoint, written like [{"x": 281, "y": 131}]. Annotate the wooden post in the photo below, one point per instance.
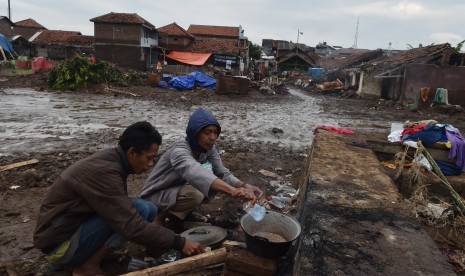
[
  {"x": 184, "y": 265},
  {"x": 3, "y": 53},
  {"x": 18, "y": 164}
]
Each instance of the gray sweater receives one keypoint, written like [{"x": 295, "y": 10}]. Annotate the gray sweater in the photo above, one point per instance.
[{"x": 178, "y": 167}]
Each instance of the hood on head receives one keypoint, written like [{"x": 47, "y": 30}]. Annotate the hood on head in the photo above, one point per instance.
[{"x": 200, "y": 118}]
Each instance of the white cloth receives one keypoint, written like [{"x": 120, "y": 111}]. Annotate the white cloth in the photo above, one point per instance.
[{"x": 395, "y": 136}]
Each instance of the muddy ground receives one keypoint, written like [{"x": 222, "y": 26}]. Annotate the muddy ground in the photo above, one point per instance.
[{"x": 271, "y": 132}]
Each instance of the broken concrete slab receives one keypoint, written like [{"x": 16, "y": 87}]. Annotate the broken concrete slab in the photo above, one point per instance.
[{"x": 354, "y": 221}]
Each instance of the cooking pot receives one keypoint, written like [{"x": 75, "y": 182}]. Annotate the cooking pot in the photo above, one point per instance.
[
  {"x": 212, "y": 236},
  {"x": 271, "y": 237}
]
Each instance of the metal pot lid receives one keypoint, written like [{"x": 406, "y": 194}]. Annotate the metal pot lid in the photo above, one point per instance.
[{"x": 205, "y": 235}]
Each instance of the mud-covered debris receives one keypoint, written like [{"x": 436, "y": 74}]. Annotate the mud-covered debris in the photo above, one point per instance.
[{"x": 270, "y": 174}]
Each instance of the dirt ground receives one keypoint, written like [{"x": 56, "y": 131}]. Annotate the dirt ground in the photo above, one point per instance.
[{"x": 244, "y": 157}]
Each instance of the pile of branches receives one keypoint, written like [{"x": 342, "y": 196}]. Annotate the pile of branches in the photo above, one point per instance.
[
  {"x": 80, "y": 72},
  {"x": 453, "y": 213}
]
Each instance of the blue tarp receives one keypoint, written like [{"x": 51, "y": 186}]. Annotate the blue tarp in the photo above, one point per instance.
[
  {"x": 6, "y": 45},
  {"x": 189, "y": 81},
  {"x": 315, "y": 72}
]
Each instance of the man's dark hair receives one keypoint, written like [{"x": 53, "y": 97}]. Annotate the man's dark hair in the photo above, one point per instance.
[{"x": 140, "y": 136}]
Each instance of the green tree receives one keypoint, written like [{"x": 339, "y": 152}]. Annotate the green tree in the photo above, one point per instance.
[
  {"x": 459, "y": 46},
  {"x": 254, "y": 50}
]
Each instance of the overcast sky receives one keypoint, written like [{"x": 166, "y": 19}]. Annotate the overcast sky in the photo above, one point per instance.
[{"x": 332, "y": 21}]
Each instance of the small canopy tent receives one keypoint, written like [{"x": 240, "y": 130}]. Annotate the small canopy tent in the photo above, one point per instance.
[
  {"x": 190, "y": 58},
  {"x": 5, "y": 46}
]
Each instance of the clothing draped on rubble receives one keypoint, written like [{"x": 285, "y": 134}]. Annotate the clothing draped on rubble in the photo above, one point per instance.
[
  {"x": 441, "y": 96},
  {"x": 425, "y": 92},
  {"x": 457, "y": 151},
  {"x": 413, "y": 130},
  {"x": 447, "y": 168},
  {"x": 429, "y": 135},
  {"x": 444, "y": 133},
  {"x": 338, "y": 130}
]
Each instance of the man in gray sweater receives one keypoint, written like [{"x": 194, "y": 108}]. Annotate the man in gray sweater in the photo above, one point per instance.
[{"x": 191, "y": 169}]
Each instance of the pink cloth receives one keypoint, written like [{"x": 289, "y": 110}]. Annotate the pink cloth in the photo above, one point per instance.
[
  {"x": 413, "y": 130},
  {"x": 338, "y": 130}
]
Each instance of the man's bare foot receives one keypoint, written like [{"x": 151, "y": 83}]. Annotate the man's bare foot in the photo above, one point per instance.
[
  {"x": 87, "y": 271},
  {"x": 91, "y": 266}
]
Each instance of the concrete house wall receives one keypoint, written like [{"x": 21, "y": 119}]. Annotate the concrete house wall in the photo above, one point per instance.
[
  {"x": 5, "y": 26},
  {"x": 122, "y": 44},
  {"x": 369, "y": 87},
  {"x": 422, "y": 75},
  {"x": 173, "y": 42}
]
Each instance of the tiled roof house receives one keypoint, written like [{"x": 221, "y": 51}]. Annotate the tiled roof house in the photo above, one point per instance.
[
  {"x": 208, "y": 31},
  {"x": 174, "y": 37},
  {"x": 61, "y": 44},
  {"x": 224, "y": 42},
  {"x": 28, "y": 27},
  {"x": 123, "y": 38}
]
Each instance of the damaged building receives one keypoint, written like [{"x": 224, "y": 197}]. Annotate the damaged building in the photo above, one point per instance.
[{"x": 401, "y": 76}]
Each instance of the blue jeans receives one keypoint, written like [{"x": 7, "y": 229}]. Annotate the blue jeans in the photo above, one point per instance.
[{"x": 95, "y": 232}]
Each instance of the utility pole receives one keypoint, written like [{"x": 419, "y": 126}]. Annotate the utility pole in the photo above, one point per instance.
[
  {"x": 356, "y": 34},
  {"x": 9, "y": 11},
  {"x": 298, "y": 33}
]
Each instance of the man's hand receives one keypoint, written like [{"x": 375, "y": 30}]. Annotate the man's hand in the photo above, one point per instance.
[
  {"x": 254, "y": 189},
  {"x": 244, "y": 194},
  {"x": 192, "y": 248}
]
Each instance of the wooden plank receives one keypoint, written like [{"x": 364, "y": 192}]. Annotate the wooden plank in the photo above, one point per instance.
[
  {"x": 394, "y": 148},
  {"x": 248, "y": 263},
  {"x": 228, "y": 243},
  {"x": 186, "y": 264},
  {"x": 18, "y": 164}
]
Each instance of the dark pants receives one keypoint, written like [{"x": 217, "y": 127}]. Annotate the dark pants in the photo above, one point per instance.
[{"x": 95, "y": 233}]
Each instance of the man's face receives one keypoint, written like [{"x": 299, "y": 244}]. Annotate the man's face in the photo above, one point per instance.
[
  {"x": 141, "y": 162},
  {"x": 207, "y": 137}
]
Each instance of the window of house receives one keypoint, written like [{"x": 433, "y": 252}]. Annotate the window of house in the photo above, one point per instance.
[
  {"x": 119, "y": 29},
  {"x": 175, "y": 38}
]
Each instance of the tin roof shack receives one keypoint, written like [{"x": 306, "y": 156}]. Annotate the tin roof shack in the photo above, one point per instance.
[
  {"x": 296, "y": 59},
  {"x": 6, "y": 26},
  {"x": 51, "y": 44},
  {"x": 28, "y": 27},
  {"x": 20, "y": 44},
  {"x": 344, "y": 68},
  {"x": 386, "y": 77},
  {"x": 174, "y": 37},
  {"x": 231, "y": 44},
  {"x": 347, "y": 52},
  {"x": 323, "y": 49},
  {"x": 125, "y": 39}
]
